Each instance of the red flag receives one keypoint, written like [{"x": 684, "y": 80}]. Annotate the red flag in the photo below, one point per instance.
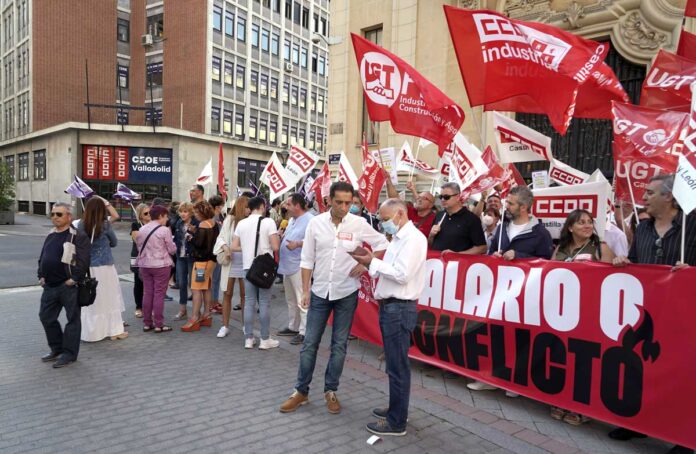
[
  {"x": 221, "y": 175},
  {"x": 687, "y": 45},
  {"x": 517, "y": 176},
  {"x": 690, "y": 10},
  {"x": 321, "y": 186},
  {"x": 647, "y": 142},
  {"x": 494, "y": 176},
  {"x": 535, "y": 67},
  {"x": 667, "y": 84},
  {"x": 397, "y": 93},
  {"x": 371, "y": 181}
]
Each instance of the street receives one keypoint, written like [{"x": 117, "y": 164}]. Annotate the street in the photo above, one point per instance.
[{"x": 182, "y": 392}]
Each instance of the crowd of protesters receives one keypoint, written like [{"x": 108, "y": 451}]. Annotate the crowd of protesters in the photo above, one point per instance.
[{"x": 204, "y": 251}]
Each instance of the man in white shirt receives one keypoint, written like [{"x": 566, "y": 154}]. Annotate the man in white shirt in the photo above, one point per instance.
[
  {"x": 328, "y": 239},
  {"x": 401, "y": 280},
  {"x": 245, "y": 240}
]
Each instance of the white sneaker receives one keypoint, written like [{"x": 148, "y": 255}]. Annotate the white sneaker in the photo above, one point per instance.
[
  {"x": 480, "y": 386},
  {"x": 224, "y": 331},
  {"x": 511, "y": 394},
  {"x": 250, "y": 342},
  {"x": 268, "y": 343}
]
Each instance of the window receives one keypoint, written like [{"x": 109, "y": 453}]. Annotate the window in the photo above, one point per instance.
[
  {"x": 240, "y": 76},
  {"x": 288, "y": 9},
  {"x": 274, "y": 88},
  {"x": 263, "y": 85},
  {"x": 263, "y": 126},
  {"x": 229, "y": 69},
  {"x": 325, "y": 28},
  {"x": 254, "y": 35},
  {"x": 23, "y": 167},
  {"x": 217, "y": 18},
  {"x": 296, "y": 13},
  {"x": 320, "y": 104},
  {"x": 272, "y": 131},
  {"x": 320, "y": 142},
  {"x": 241, "y": 29},
  {"x": 316, "y": 23},
  {"x": 154, "y": 73},
  {"x": 252, "y": 127},
  {"x": 229, "y": 24},
  {"x": 275, "y": 43},
  {"x": 123, "y": 31},
  {"x": 265, "y": 34},
  {"x": 227, "y": 122},
  {"x": 158, "y": 117},
  {"x": 301, "y": 138},
  {"x": 310, "y": 145},
  {"x": 40, "y": 165},
  {"x": 322, "y": 66},
  {"x": 239, "y": 124},
  {"x": 248, "y": 171},
  {"x": 303, "y": 58},
  {"x": 253, "y": 82},
  {"x": 215, "y": 119},
  {"x": 313, "y": 102},
  {"x": 293, "y": 135},
  {"x": 275, "y": 5},
  {"x": 10, "y": 161},
  {"x": 303, "y": 98},
  {"x": 286, "y": 91},
  {"x": 284, "y": 135},
  {"x": 122, "y": 76},
  {"x": 122, "y": 117},
  {"x": 293, "y": 96},
  {"x": 216, "y": 68},
  {"x": 296, "y": 54},
  {"x": 305, "y": 17},
  {"x": 155, "y": 25},
  {"x": 314, "y": 63},
  {"x": 286, "y": 50}
]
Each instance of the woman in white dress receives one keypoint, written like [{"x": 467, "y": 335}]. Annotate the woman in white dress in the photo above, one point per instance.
[
  {"x": 233, "y": 269},
  {"x": 103, "y": 318}
]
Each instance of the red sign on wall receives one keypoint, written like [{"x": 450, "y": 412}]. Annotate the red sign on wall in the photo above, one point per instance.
[
  {"x": 106, "y": 163},
  {"x": 121, "y": 164},
  {"x": 90, "y": 162}
]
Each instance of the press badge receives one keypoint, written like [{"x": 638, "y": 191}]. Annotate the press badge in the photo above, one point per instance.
[{"x": 68, "y": 253}]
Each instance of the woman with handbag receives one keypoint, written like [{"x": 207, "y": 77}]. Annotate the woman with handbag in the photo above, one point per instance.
[
  {"x": 231, "y": 262},
  {"x": 257, "y": 238},
  {"x": 203, "y": 241},
  {"x": 184, "y": 262},
  {"x": 142, "y": 211},
  {"x": 103, "y": 318},
  {"x": 155, "y": 250}
]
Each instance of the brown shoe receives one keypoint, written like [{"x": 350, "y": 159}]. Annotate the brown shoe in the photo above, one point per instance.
[
  {"x": 332, "y": 402},
  {"x": 296, "y": 400}
]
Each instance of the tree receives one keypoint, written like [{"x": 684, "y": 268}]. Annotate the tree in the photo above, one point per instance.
[{"x": 7, "y": 185}]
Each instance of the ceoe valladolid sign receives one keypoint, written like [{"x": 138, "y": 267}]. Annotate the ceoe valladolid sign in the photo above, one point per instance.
[{"x": 150, "y": 165}]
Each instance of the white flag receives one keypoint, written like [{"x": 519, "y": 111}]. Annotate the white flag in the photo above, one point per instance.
[
  {"x": 206, "y": 175},
  {"x": 685, "y": 179},
  {"x": 387, "y": 162},
  {"x": 300, "y": 162},
  {"x": 467, "y": 163},
  {"x": 566, "y": 175},
  {"x": 278, "y": 180},
  {"x": 519, "y": 143},
  {"x": 405, "y": 162},
  {"x": 346, "y": 172}
]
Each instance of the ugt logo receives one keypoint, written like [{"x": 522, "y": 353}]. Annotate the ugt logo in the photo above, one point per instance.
[{"x": 380, "y": 77}]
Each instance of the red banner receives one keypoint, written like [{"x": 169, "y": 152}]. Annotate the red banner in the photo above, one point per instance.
[
  {"x": 667, "y": 84},
  {"x": 371, "y": 181},
  {"x": 690, "y": 9},
  {"x": 687, "y": 45},
  {"x": 647, "y": 142},
  {"x": 90, "y": 162},
  {"x": 397, "y": 93},
  {"x": 106, "y": 163},
  {"x": 529, "y": 67},
  {"x": 121, "y": 164},
  {"x": 610, "y": 343}
]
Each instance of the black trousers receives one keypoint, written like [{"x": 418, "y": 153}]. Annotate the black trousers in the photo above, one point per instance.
[
  {"x": 137, "y": 289},
  {"x": 53, "y": 299}
]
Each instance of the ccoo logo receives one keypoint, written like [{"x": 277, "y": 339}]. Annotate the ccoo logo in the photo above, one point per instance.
[{"x": 380, "y": 77}]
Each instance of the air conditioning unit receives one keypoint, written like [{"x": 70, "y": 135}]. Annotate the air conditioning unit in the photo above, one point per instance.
[
  {"x": 146, "y": 40},
  {"x": 289, "y": 67}
]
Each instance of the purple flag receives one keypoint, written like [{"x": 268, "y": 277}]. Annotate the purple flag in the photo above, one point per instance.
[
  {"x": 79, "y": 188},
  {"x": 254, "y": 188},
  {"x": 125, "y": 193}
]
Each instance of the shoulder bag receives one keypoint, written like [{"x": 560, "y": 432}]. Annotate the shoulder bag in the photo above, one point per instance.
[
  {"x": 221, "y": 258},
  {"x": 87, "y": 287},
  {"x": 264, "y": 269}
]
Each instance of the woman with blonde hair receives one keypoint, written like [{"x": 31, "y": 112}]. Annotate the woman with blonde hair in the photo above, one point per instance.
[
  {"x": 103, "y": 318},
  {"x": 233, "y": 268},
  {"x": 142, "y": 213},
  {"x": 183, "y": 233}
]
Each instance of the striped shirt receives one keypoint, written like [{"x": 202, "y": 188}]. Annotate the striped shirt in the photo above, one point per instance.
[{"x": 649, "y": 248}]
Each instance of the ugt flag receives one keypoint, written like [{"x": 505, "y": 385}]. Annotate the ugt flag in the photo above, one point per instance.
[
  {"x": 372, "y": 179},
  {"x": 529, "y": 66},
  {"x": 667, "y": 84},
  {"x": 397, "y": 93}
]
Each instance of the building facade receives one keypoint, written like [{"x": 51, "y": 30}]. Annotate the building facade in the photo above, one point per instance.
[
  {"x": 417, "y": 32},
  {"x": 251, "y": 74}
]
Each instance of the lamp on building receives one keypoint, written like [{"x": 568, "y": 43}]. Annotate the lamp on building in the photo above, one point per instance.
[
  {"x": 284, "y": 156},
  {"x": 330, "y": 41}
]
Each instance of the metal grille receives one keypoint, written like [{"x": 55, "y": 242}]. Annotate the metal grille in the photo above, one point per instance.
[{"x": 587, "y": 143}]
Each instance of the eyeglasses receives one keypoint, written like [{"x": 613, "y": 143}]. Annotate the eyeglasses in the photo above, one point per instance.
[
  {"x": 447, "y": 196},
  {"x": 59, "y": 215},
  {"x": 147, "y": 213},
  {"x": 659, "y": 251}
]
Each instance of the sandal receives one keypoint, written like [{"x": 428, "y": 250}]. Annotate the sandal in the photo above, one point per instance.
[
  {"x": 181, "y": 316},
  {"x": 207, "y": 321},
  {"x": 191, "y": 326},
  {"x": 163, "y": 329},
  {"x": 123, "y": 335},
  {"x": 148, "y": 328},
  {"x": 575, "y": 419},
  {"x": 138, "y": 313},
  {"x": 558, "y": 413}
]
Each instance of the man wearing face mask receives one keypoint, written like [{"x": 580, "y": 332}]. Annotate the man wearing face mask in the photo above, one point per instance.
[
  {"x": 401, "y": 276},
  {"x": 358, "y": 209},
  {"x": 490, "y": 221}
]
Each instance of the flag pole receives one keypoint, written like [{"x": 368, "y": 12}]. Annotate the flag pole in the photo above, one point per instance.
[
  {"x": 623, "y": 221},
  {"x": 502, "y": 224},
  {"x": 630, "y": 190},
  {"x": 683, "y": 235},
  {"x": 413, "y": 165}
]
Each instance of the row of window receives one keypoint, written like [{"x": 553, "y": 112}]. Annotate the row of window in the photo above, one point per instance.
[
  {"x": 22, "y": 167},
  {"x": 8, "y": 27},
  {"x": 230, "y": 23},
  {"x": 16, "y": 118}
]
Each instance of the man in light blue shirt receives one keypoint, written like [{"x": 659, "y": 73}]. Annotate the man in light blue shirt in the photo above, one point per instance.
[{"x": 289, "y": 266}]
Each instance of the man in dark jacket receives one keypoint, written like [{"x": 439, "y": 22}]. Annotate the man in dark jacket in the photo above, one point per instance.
[
  {"x": 524, "y": 236},
  {"x": 64, "y": 260}
]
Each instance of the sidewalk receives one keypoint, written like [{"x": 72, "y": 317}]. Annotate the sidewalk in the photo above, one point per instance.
[{"x": 180, "y": 392}]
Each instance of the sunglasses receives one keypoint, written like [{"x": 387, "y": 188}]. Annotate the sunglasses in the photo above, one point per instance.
[
  {"x": 447, "y": 196},
  {"x": 59, "y": 215},
  {"x": 147, "y": 213},
  {"x": 659, "y": 251}
]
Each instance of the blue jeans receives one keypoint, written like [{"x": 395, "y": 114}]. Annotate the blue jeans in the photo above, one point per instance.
[
  {"x": 184, "y": 269},
  {"x": 317, "y": 316},
  {"x": 397, "y": 321},
  {"x": 216, "y": 282},
  {"x": 252, "y": 295}
]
